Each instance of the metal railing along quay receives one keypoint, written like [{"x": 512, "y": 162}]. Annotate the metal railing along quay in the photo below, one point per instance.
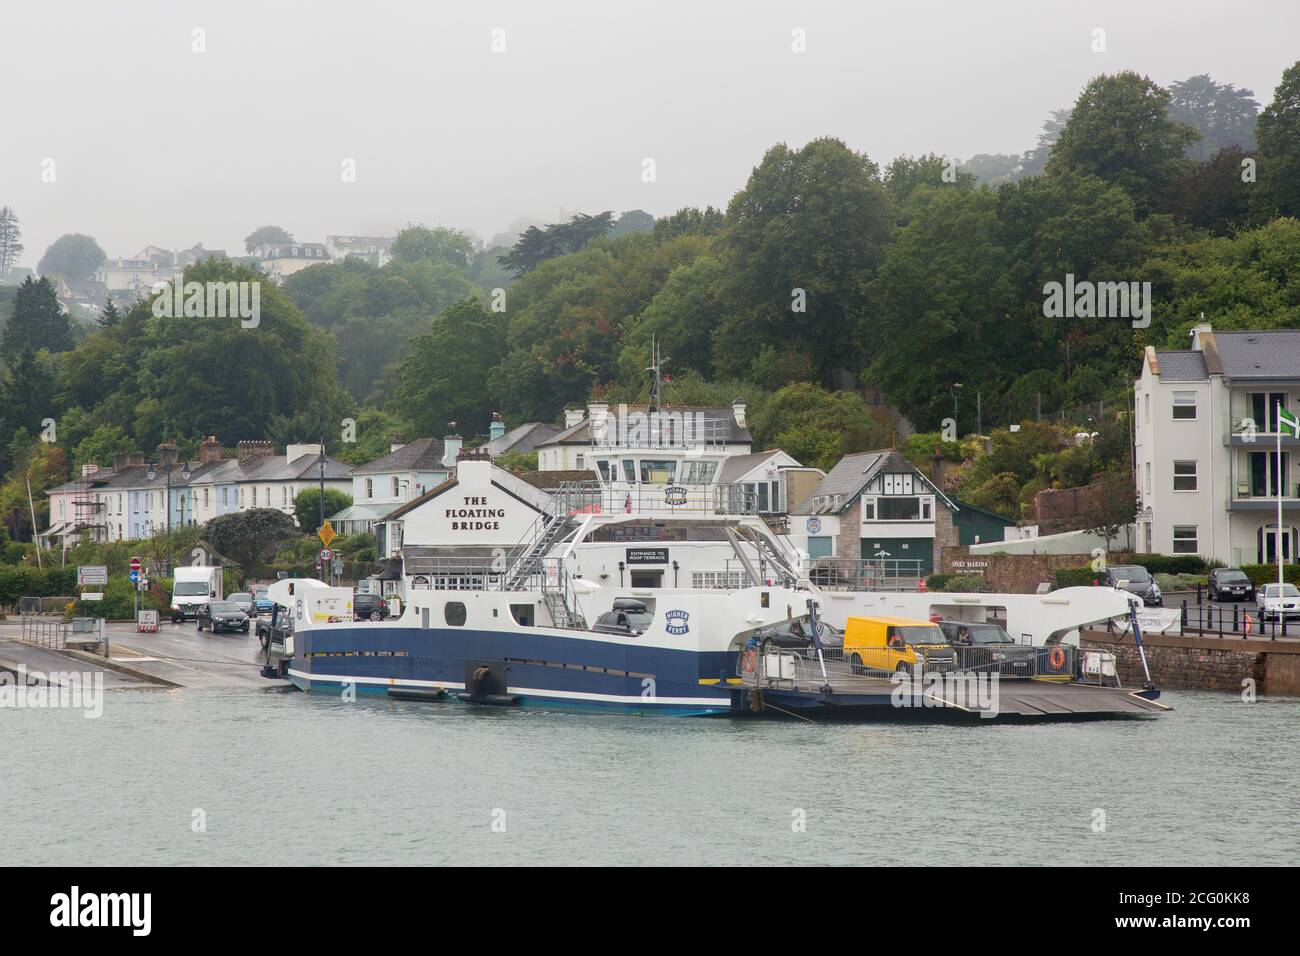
[
  {"x": 1238, "y": 621},
  {"x": 57, "y": 633}
]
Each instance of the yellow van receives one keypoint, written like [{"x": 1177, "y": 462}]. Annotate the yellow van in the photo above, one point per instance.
[{"x": 893, "y": 644}]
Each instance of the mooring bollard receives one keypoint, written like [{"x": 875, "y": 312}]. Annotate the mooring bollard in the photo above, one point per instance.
[{"x": 1198, "y": 593}]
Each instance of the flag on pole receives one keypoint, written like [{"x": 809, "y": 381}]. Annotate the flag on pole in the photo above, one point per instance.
[{"x": 1287, "y": 423}]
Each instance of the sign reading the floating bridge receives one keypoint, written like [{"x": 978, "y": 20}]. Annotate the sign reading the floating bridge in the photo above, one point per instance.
[{"x": 647, "y": 555}]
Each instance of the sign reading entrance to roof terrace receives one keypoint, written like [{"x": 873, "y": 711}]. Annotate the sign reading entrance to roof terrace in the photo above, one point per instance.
[
  {"x": 475, "y": 514},
  {"x": 647, "y": 555}
]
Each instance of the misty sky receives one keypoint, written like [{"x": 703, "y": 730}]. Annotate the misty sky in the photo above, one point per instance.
[{"x": 157, "y": 144}]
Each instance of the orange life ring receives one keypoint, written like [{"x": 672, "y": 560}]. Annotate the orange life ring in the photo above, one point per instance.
[
  {"x": 749, "y": 660},
  {"x": 1058, "y": 657}
]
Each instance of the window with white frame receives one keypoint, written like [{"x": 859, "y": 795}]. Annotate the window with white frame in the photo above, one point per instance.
[
  {"x": 1184, "y": 476},
  {"x": 370, "y": 488},
  {"x": 1184, "y": 406},
  {"x": 397, "y": 488},
  {"x": 1185, "y": 540},
  {"x": 1148, "y": 477}
]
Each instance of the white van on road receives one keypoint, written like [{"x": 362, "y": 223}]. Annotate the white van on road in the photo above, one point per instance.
[{"x": 192, "y": 587}]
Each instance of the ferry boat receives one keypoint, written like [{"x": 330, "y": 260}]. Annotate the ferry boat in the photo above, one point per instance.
[{"x": 634, "y": 587}]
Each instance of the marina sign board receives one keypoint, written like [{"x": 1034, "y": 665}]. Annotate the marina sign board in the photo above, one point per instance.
[
  {"x": 647, "y": 555},
  {"x": 92, "y": 574}
]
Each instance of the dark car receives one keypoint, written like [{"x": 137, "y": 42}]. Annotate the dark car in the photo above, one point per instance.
[
  {"x": 273, "y": 634},
  {"x": 984, "y": 646},
  {"x": 628, "y": 617},
  {"x": 796, "y": 634},
  {"x": 1136, "y": 580},
  {"x": 369, "y": 607},
  {"x": 245, "y": 601},
  {"x": 222, "y": 616},
  {"x": 1230, "y": 584}
]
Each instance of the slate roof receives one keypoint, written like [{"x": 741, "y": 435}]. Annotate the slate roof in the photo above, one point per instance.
[
  {"x": 1271, "y": 354},
  {"x": 523, "y": 438},
  {"x": 854, "y": 472},
  {"x": 736, "y": 467},
  {"x": 1182, "y": 366},
  {"x": 423, "y": 454}
]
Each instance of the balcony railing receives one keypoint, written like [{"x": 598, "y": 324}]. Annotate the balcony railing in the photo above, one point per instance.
[{"x": 592, "y": 497}]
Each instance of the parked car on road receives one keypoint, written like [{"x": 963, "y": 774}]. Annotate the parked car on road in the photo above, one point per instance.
[
  {"x": 222, "y": 616},
  {"x": 369, "y": 607},
  {"x": 1136, "y": 580},
  {"x": 262, "y": 599},
  {"x": 245, "y": 601},
  {"x": 1276, "y": 604},
  {"x": 1230, "y": 584}
]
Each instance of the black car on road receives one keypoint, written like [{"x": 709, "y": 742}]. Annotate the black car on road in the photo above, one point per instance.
[
  {"x": 1135, "y": 580},
  {"x": 1230, "y": 584},
  {"x": 222, "y": 616}
]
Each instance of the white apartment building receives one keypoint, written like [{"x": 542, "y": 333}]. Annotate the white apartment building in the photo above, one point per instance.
[{"x": 1206, "y": 465}]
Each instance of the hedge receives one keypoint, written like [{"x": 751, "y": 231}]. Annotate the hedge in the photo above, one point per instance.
[
  {"x": 1076, "y": 577},
  {"x": 957, "y": 582},
  {"x": 24, "y": 580},
  {"x": 1167, "y": 563},
  {"x": 1267, "y": 573}
]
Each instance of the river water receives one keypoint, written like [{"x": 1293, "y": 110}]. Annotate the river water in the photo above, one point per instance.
[{"x": 256, "y": 777}]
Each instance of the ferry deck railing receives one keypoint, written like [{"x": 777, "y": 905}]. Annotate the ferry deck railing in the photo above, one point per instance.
[
  {"x": 802, "y": 666},
  {"x": 866, "y": 574}
]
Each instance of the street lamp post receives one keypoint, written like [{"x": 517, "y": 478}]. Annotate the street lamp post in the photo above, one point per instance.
[{"x": 152, "y": 474}]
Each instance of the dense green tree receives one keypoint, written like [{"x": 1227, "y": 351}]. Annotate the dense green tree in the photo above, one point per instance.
[
  {"x": 1211, "y": 195},
  {"x": 1278, "y": 191},
  {"x": 109, "y": 316},
  {"x": 1120, "y": 132},
  {"x": 1035, "y": 160},
  {"x": 442, "y": 378},
  {"x": 1221, "y": 113},
  {"x": 72, "y": 256},
  {"x": 373, "y": 434},
  {"x": 993, "y": 169},
  {"x": 818, "y": 427},
  {"x": 101, "y": 445},
  {"x": 680, "y": 318},
  {"x": 906, "y": 174},
  {"x": 690, "y": 221},
  {"x": 11, "y": 244},
  {"x": 634, "y": 220},
  {"x": 38, "y": 321},
  {"x": 418, "y": 243},
  {"x": 250, "y": 537},
  {"x": 535, "y": 245},
  {"x": 27, "y": 398},
  {"x": 803, "y": 239},
  {"x": 266, "y": 235},
  {"x": 307, "y": 510}
]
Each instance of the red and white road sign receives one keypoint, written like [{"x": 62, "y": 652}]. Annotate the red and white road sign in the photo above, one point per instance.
[
  {"x": 326, "y": 554},
  {"x": 136, "y": 564}
]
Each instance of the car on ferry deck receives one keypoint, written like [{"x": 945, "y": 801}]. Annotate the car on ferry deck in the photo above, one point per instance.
[
  {"x": 897, "y": 644},
  {"x": 985, "y": 646},
  {"x": 629, "y": 617}
]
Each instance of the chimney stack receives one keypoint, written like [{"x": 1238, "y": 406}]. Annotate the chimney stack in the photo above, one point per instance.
[
  {"x": 738, "y": 410},
  {"x": 120, "y": 460},
  {"x": 246, "y": 451},
  {"x": 167, "y": 454},
  {"x": 497, "y": 428},
  {"x": 573, "y": 414},
  {"x": 209, "y": 450},
  {"x": 451, "y": 446},
  {"x": 395, "y": 442}
]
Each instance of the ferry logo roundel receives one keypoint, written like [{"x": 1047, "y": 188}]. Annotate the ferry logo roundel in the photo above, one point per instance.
[
  {"x": 814, "y": 525},
  {"x": 678, "y": 622}
]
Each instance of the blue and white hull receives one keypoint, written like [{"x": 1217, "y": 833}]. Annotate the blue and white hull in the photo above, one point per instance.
[{"x": 685, "y": 665}]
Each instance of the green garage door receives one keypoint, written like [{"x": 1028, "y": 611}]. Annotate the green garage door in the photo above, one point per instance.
[{"x": 902, "y": 549}]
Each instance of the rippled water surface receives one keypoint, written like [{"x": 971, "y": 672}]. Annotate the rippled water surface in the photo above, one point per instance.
[{"x": 288, "y": 778}]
